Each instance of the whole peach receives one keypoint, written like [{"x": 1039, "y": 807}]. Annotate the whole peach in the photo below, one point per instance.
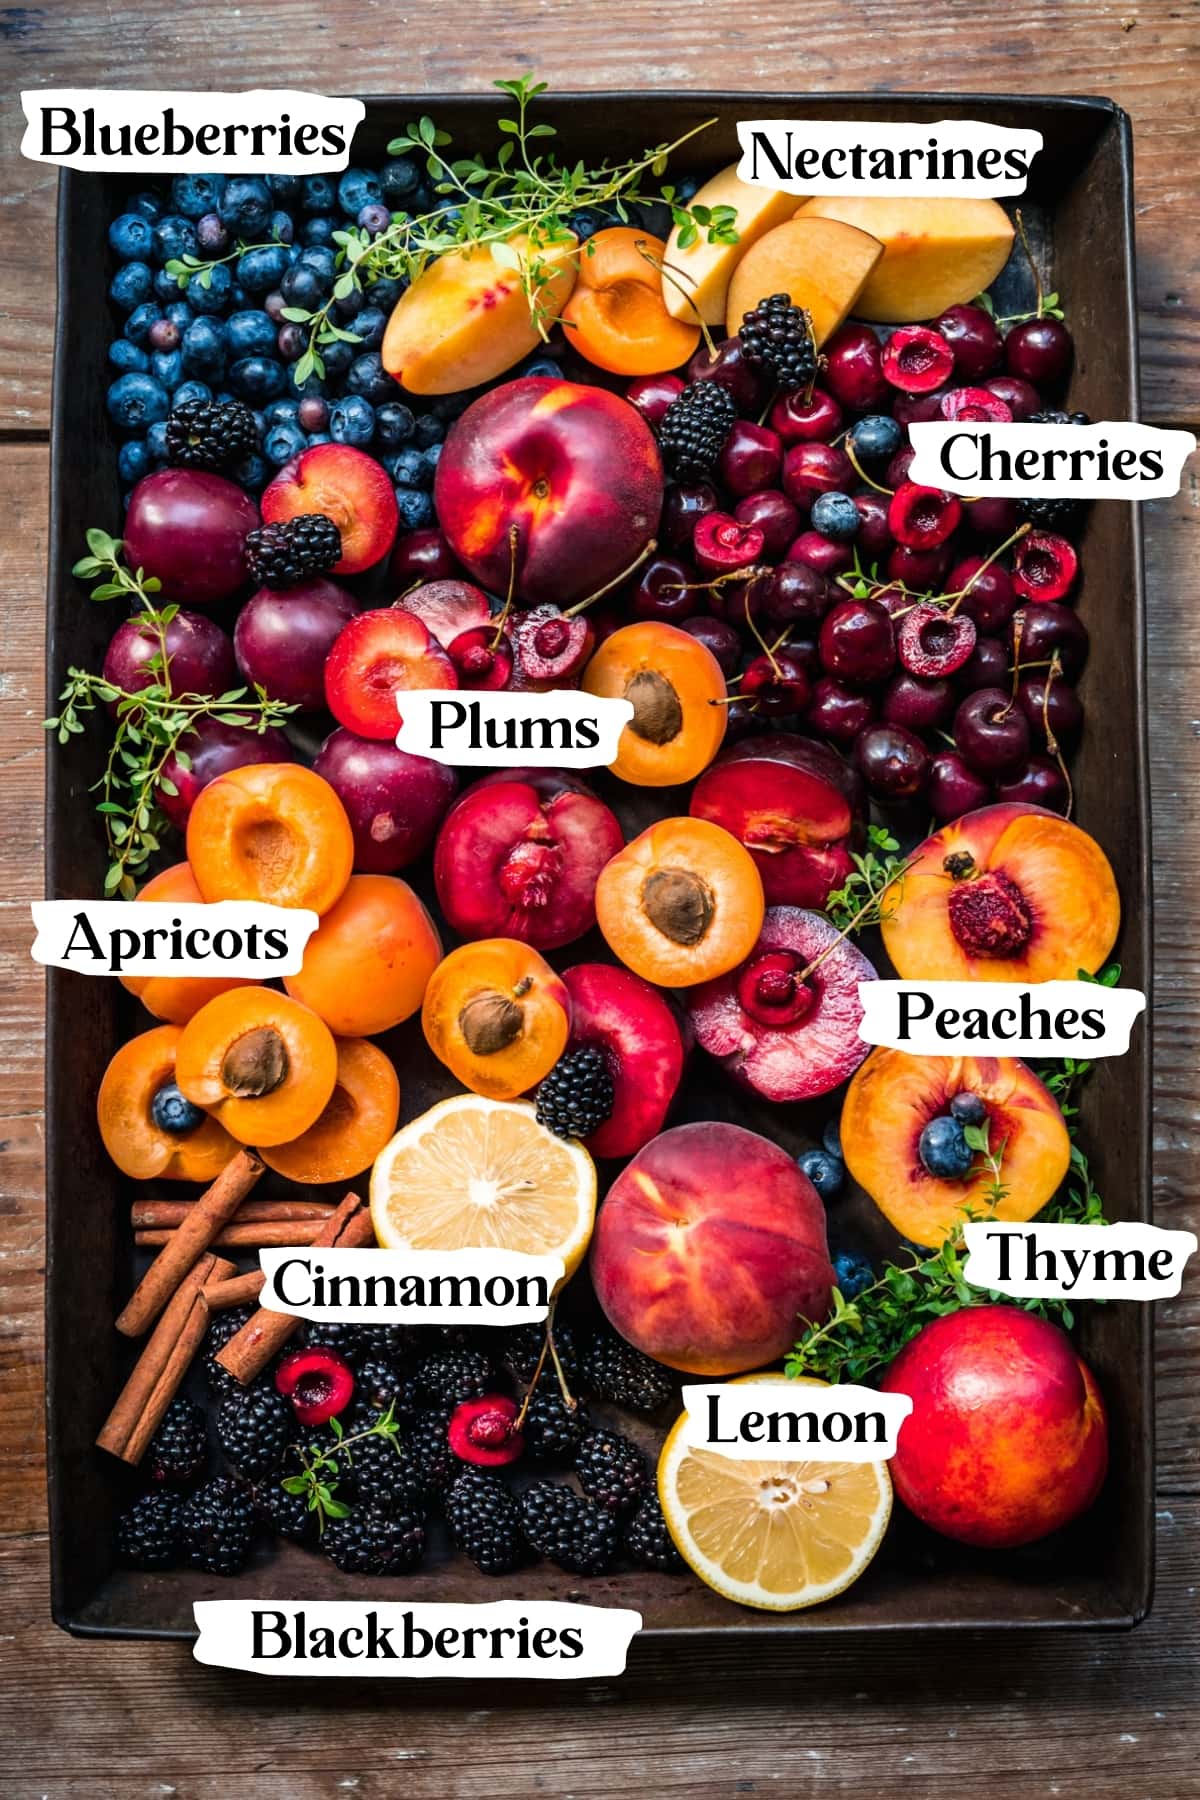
[
  {"x": 1008, "y": 1438},
  {"x": 710, "y": 1250}
]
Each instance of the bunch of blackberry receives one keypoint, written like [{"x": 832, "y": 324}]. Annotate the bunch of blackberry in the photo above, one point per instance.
[
  {"x": 448, "y": 1377},
  {"x": 289, "y": 1515},
  {"x": 521, "y": 1351},
  {"x": 1054, "y": 512},
  {"x": 148, "y": 1535},
  {"x": 370, "y": 1541},
  {"x": 611, "y": 1469},
  {"x": 777, "y": 337},
  {"x": 383, "y": 1473},
  {"x": 614, "y": 1370},
  {"x": 179, "y": 1448},
  {"x": 553, "y": 1430},
  {"x": 280, "y": 555},
  {"x": 577, "y": 1096},
  {"x": 693, "y": 429},
  {"x": 572, "y": 1532},
  {"x": 210, "y": 434},
  {"x": 216, "y": 1527},
  {"x": 428, "y": 1444},
  {"x": 254, "y": 1430},
  {"x": 222, "y": 1327},
  {"x": 484, "y": 1520},
  {"x": 379, "y": 1384}
]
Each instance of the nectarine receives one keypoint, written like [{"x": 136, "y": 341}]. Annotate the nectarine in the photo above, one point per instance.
[
  {"x": 820, "y": 264},
  {"x": 936, "y": 253},
  {"x": 703, "y": 269}
]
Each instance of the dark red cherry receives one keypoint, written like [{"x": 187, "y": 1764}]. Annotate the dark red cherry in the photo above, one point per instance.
[
  {"x": 1020, "y": 399},
  {"x": 1045, "y": 627},
  {"x": 482, "y": 658},
  {"x": 991, "y": 732},
  {"x": 684, "y": 505},
  {"x": 751, "y": 459},
  {"x": 918, "y": 704},
  {"x": 777, "y": 684},
  {"x": 990, "y": 518},
  {"x": 777, "y": 517},
  {"x": 797, "y": 594},
  {"x": 652, "y": 394},
  {"x": 799, "y": 419},
  {"x": 854, "y": 368},
  {"x": 897, "y": 470},
  {"x": 1040, "y": 783},
  {"x": 1040, "y": 351},
  {"x": 857, "y": 642},
  {"x": 731, "y": 369},
  {"x": 1044, "y": 567},
  {"x": 930, "y": 642},
  {"x": 954, "y": 789},
  {"x": 666, "y": 589},
  {"x": 921, "y": 518},
  {"x": 821, "y": 553},
  {"x": 987, "y": 665},
  {"x": 914, "y": 409},
  {"x": 988, "y": 597},
  {"x": 920, "y": 570},
  {"x": 741, "y": 718},
  {"x": 812, "y": 469},
  {"x": 834, "y": 712},
  {"x": 874, "y": 538},
  {"x": 719, "y": 637},
  {"x": 421, "y": 556},
  {"x": 973, "y": 338},
  {"x": 1045, "y": 702},
  {"x": 722, "y": 545},
  {"x": 892, "y": 761}
]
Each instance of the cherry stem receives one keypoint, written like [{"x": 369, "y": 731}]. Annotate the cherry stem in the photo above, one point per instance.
[
  {"x": 548, "y": 1348},
  {"x": 960, "y": 596},
  {"x": 502, "y": 617},
  {"x": 758, "y": 637},
  {"x": 852, "y": 924},
  {"x": 1018, "y": 630},
  {"x": 573, "y": 612},
  {"x": 672, "y": 272},
  {"x": 848, "y": 452},
  {"x": 1052, "y": 743},
  {"x": 1037, "y": 278},
  {"x": 749, "y": 573}
]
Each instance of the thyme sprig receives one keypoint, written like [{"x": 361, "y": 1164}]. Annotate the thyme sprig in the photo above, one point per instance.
[
  {"x": 872, "y": 889},
  {"x": 322, "y": 1467}
]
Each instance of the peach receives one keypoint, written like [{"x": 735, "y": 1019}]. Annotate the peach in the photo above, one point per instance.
[
  {"x": 1007, "y": 893},
  {"x": 639, "y": 1036},
  {"x": 677, "y": 690},
  {"x": 892, "y": 1099},
  {"x": 497, "y": 1015},
  {"x": 350, "y": 488},
  {"x": 467, "y": 317},
  {"x": 703, "y": 270},
  {"x": 681, "y": 903},
  {"x": 1008, "y": 1437},
  {"x": 569, "y": 474},
  {"x": 821, "y": 264},
  {"x": 710, "y": 1251},
  {"x": 936, "y": 253}
]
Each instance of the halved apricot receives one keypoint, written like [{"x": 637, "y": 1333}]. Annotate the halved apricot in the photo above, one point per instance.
[
  {"x": 273, "y": 832},
  {"x": 359, "y": 1119},
  {"x": 891, "y": 1100},
  {"x": 149, "y": 1128},
  {"x": 264, "y": 1064},
  {"x": 617, "y": 316},
  {"x": 367, "y": 964},
  {"x": 677, "y": 690},
  {"x": 177, "y": 997},
  {"x": 682, "y": 903},
  {"x": 497, "y": 1015},
  {"x": 1007, "y": 893}
]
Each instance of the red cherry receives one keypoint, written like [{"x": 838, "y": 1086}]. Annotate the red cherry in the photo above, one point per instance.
[
  {"x": 930, "y": 642},
  {"x": 854, "y": 368},
  {"x": 1044, "y": 567},
  {"x": 1039, "y": 351},
  {"x": 972, "y": 335},
  {"x": 652, "y": 394},
  {"x": 954, "y": 789},
  {"x": 799, "y": 419},
  {"x": 1020, "y": 399},
  {"x": 777, "y": 517},
  {"x": 921, "y": 518},
  {"x": 834, "y": 712},
  {"x": 481, "y": 1431},
  {"x": 318, "y": 1382},
  {"x": 974, "y": 403},
  {"x": 821, "y": 553},
  {"x": 916, "y": 360}
]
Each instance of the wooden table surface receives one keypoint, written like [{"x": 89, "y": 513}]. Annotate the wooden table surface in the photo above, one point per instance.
[{"x": 1077, "y": 1715}]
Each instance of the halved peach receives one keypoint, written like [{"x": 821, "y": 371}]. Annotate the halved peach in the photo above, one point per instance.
[
  {"x": 894, "y": 1096},
  {"x": 272, "y": 832},
  {"x": 1007, "y": 893},
  {"x": 681, "y": 903},
  {"x": 359, "y": 1119}
]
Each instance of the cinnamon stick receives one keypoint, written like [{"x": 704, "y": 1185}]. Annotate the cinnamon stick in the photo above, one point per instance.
[
  {"x": 212, "y": 1211},
  {"x": 160, "y": 1368},
  {"x": 272, "y": 1232},
  {"x": 219, "y": 1296},
  {"x": 166, "y": 1215},
  {"x": 250, "y": 1350}
]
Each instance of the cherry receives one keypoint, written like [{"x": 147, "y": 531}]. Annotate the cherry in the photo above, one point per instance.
[
  {"x": 917, "y": 359},
  {"x": 854, "y": 368},
  {"x": 913, "y": 409},
  {"x": 731, "y": 369},
  {"x": 483, "y": 658},
  {"x": 1040, "y": 783},
  {"x": 769, "y": 991},
  {"x": 551, "y": 650},
  {"x": 777, "y": 517},
  {"x": 918, "y": 569},
  {"x": 857, "y": 642},
  {"x": 987, "y": 665},
  {"x": 1045, "y": 701},
  {"x": 1044, "y": 567},
  {"x": 874, "y": 536},
  {"x": 897, "y": 470},
  {"x": 422, "y": 556},
  {"x": 821, "y": 553},
  {"x": 751, "y": 458},
  {"x": 989, "y": 597},
  {"x": 741, "y": 718},
  {"x": 921, "y": 518},
  {"x": 990, "y": 517},
  {"x": 812, "y": 469},
  {"x": 894, "y": 600},
  {"x": 931, "y": 642},
  {"x": 1039, "y": 351},
  {"x": 652, "y": 394},
  {"x": 834, "y": 712},
  {"x": 778, "y": 684},
  {"x": 974, "y": 403},
  {"x": 972, "y": 335},
  {"x": 992, "y": 732},
  {"x": 1048, "y": 627},
  {"x": 722, "y": 545},
  {"x": 892, "y": 761},
  {"x": 665, "y": 590},
  {"x": 797, "y": 594},
  {"x": 684, "y": 505},
  {"x": 1020, "y": 399},
  {"x": 719, "y": 637},
  {"x": 954, "y": 789},
  {"x": 917, "y": 703},
  {"x": 798, "y": 418}
]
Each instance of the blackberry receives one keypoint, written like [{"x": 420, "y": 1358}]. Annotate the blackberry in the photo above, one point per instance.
[
  {"x": 614, "y": 1370},
  {"x": 428, "y": 1444},
  {"x": 287, "y": 1514},
  {"x": 448, "y": 1377},
  {"x": 552, "y": 1432},
  {"x": 148, "y": 1534},
  {"x": 485, "y": 1522},
  {"x": 216, "y": 1526},
  {"x": 179, "y": 1448},
  {"x": 388, "y": 1343},
  {"x": 280, "y": 555},
  {"x": 577, "y": 1095},
  {"x": 573, "y": 1532},
  {"x": 522, "y": 1348},
  {"x": 369, "y": 1541},
  {"x": 222, "y": 1327},
  {"x": 345, "y": 1339},
  {"x": 611, "y": 1470},
  {"x": 380, "y": 1384},
  {"x": 254, "y": 1430},
  {"x": 1053, "y": 512},
  {"x": 384, "y": 1474},
  {"x": 694, "y": 427},
  {"x": 647, "y": 1540},
  {"x": 777, "y": 337},
  {"x": 210, "y": 434}
]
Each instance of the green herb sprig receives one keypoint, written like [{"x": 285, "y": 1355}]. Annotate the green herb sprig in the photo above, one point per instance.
[
  {"x": 872, "y": 889},
  {"x": 322, "y": 1468}
]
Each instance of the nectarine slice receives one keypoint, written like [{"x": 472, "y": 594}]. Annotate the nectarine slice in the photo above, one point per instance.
[
  {"x": 1007, "y": 893},
  {"x": 821, "y": 264},
  {"x": 936, "y": 253},
  {"x": 894, "y": 1096},
  {"x": 681, "y": 903},
  {"x": 703, "y": 270}
]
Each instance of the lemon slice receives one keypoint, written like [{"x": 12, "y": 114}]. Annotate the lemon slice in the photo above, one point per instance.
[
  {"x": 476, "y": 1174},
  {"x": 772, "y": 1534}
]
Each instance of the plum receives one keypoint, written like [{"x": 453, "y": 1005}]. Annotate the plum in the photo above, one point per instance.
[
  {"x": 199, "y": 656},
  {"x": 376, "y": 657},
  {"x": 283, "y": 638},
  {"x": 447, "y": 609},
  {"x": 213, "y": 748},
  {"x": 519, "y": 855},
  {"x": 395, "y": 801},
  {"x": 187, "y": 528},
  {"x": 641, "y": 1039},
  {"x": 784, "y": 1033}
]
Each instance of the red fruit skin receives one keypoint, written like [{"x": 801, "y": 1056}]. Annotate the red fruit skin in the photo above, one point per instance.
[
  {"x": 821, "y": 553},
  {"x": 812, "y": 469},
  {"x": 375, "y": 657},
  {"x": 1008, "y": 1436},
  {"x": 283, "y": 637},
  {"x": 519, "y": 856},
  {"x": 214, "y": 749},
  {"x": 922, "y": 518},
  {"x": 351, "y": 488},
  {"x": 617, "y": 1012},
  {"x": 777, "y": 517},
  {"x": 750, "y": 460},
  {"x": 974, "y": 403},
  {"x": 575, "y": 469},
  {"x": 1044, "y": 567},
  {"x": 854, "y": 367},
  {"x": 797, "y": 420},
  {"x": 421, "y": 556},
  {"x": 200, "y": 656},
  {"x": 187, "y": 528},
  {"x": 796, "y": 807},
  {"x": 394, "y": 800},
  {"x": 652, "y": 394}
]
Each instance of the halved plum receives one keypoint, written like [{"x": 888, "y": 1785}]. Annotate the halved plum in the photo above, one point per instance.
[
  {"x": 519, "y": 854},
  {"x": 643, "y": 1043},
  {"x": 794, "y": 804},
  {"x": 375, "y": 657},
  {"x": 350, "y": 488},
  {"x": 784, "y": 1033},
  {"x": 448, "y": 608}
]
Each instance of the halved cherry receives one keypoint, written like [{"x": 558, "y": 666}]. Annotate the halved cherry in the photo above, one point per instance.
[
  {"x": 916, "y": 360},
  {"x": 921, "y": 518},
  {"x": 376, "y": 657},
  {"x": 932, "y": 642},
  {"x": 317, "y": 1381},
  {"x": 482, "y": 1431},
  {"x": 482, "y": 658},
  {"x": 1044, "y": 567},
  {"x": 550, "y": 649},
  {"x": 974, "y": 403}
]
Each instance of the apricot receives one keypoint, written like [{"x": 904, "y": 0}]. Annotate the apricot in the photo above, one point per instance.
[
  {"x": 367, "y": 964},
  {"x": 147, "y": 1126},
  {"x": 1007, "y": 893},
  {"x": 710, "y": 1250},
  {"x": 177, "y": 997},
  {"x": 261, "y": 1062},
  {"x": 821, "y": 264},
  {"x": 681, "y": 903},
  {"x": 703, "y": 270},
  {"x": 273, "y": 832},
  {"x": 617, "y": 317},
  {"x": 497, "y": 1015},
  {"x": 936, "y": 253},
  {"x": 675, "y": 686},
  {"x": 358, "y": 1120},
  {"x": 894, "y": 1096},
  {"x": 467, "y": 318}
]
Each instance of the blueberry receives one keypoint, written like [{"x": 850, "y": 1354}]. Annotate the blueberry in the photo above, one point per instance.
[
  {"x": 408, "y": 468},
  {"x": 318, "y": 231},
  {"x": 968, "y": 1108},
  {"x": 352, "y": 421},
  {"x": 133, "y": 460},
  {"x": 368, "y": 377},
  {"x": 827, "y": 1173},
  {"x": 282, "y": 442},
  {"x": 350, "y": 305},
  {"x": 432, "y": 457},
  {"x": 312, "y": 414},
  {"x": 131, "y": 237},
  {"x": 852, "y": 1273},
  {"x": 281, "y": 412},
  {"x": 246, "y": 205},
  {"x": 370, "y": 324},
  {"x": 398, "y": 180},
  {"x": 195, "y": 195},
  {"x": 252, "y": 472},
  {"x": 190, "y": 390},
  {"x": 545, "y": 367},
  {"x": 166, "y": 287},
  {"x": 293, "y": 341},
  {"x": 337, "y": 358},
  {"x": 586, "y": 222},
  {"x": 429, "y": 430},
  {"x": 317, "y": 437},
  {"x": 135, "y": 401},
  {"x": 180, "y": 314},
  {"x": 386, "y": 291},
  {"x": 239, "y": 299},
  {"x": 174, "y": 238},
  {"x": 251, "y": 333},
  {"x": 131, "y": 286},
  {"x": 876, "y": 438},
  {"x": 944, "y": 1149},
  {"x": 260, "y": 270},
  {"x": 203, "y": 348},
  {"x": 394, "y": 423},
  {"x": 126, "y": 357},
  {"x": 280, "y": 228},
  {"x": 356, "y": 189},
  {"x": 137, "y": 325},
  {"x": 167, "y": 366},
  {"x": 374, "y": 218},
  {"x": 836, "y": 517},
  {"x": 416, "y": 509},
  {"x": 654, "y": 217},
  {"x": 321, "y": 258},
  {"x": 211, "y": 296},
  {"x": 318, "y": 194},
  {"x": 687, "y": 188},
  {"x": 312, "y": 384},
  {"x": 212, "y": 239},
  {"x": 146, "y": 205},
  {"x": 450, "y": 215},
  {"x": 304, "y": 286},
  {"x": 156, "y": 440},
  {"x": 285, "y": 188},
  {"x": 171, "y": 1112},
  {"x": 831, "y": 1138},
  {"x": 164, "y": 335},
  {"x": 257, "y": 378}
]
